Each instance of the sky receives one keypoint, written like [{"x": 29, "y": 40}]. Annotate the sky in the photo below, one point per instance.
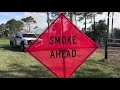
[{"x": 41, "y": 18}]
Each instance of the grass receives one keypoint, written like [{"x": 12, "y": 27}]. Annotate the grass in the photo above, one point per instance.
[{"x": 16, "y": 64}]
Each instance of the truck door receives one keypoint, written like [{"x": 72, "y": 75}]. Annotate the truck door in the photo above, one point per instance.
[{"x": 18, "y": 39}]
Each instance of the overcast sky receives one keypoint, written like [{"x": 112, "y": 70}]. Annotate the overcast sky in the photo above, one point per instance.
[{"x": 41, "y": 18}]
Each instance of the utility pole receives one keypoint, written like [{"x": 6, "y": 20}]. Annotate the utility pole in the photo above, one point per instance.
[
  {"x": 106, "y": 38},
  {"x": 112, "y": 25}
]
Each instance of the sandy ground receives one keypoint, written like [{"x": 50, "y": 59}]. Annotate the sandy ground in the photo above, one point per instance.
[{"x": 113, "y": 53}]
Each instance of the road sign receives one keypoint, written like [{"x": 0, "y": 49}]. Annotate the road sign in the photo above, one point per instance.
[{"x": 62, "y": 47}]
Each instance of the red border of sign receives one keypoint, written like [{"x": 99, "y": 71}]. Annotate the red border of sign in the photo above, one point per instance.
[{"x": 26, "y": 50}]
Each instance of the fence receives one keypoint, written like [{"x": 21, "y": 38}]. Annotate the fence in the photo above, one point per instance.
[
  {"x": 114, "y": 49},
  {"x": 114, "y": 42}
]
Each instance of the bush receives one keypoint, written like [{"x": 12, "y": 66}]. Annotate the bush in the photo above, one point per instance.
[{"x": 117, "y": 33}]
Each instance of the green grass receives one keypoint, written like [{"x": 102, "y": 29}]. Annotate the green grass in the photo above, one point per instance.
[{"x": 16, "y": 64}]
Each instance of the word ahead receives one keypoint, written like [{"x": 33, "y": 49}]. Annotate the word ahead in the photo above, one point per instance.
[{"x": 63, "y": 53}]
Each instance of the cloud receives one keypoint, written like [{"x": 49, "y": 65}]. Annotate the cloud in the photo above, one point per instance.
[
  {"x": 116, "y": 20},
  {"x": 40, "y": 18},
  {"x": 6, "y": 16}
]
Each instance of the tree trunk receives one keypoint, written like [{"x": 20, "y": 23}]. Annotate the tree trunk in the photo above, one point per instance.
[
  {"x": 71, "y": 16},
  {"x": 95, "y": 36},
  {"x": 75, "y": 20},
  {"x": 85, "y": 23},
  {"x": 112, "y": 25},
  {"x": 48, "y": 18}
]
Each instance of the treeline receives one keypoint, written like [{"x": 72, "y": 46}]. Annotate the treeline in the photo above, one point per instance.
[
  {"x": 12, "y": 26},
  {"x": 97, "y": 30}
]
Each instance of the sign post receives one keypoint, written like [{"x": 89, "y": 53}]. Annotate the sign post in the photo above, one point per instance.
[
  {"x": 62, "y": 47},
  {"x": 106, "y": 38}
]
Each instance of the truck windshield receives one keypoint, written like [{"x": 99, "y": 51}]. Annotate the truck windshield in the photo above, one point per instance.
[{"x": 29, "y": 35}]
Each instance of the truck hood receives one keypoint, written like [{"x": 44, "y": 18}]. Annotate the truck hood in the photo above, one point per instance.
[{"x": 29, "y": 38}]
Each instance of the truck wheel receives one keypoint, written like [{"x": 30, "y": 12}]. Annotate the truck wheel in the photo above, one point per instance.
[
  {"x": 11, "y": 43},
  {"x": 22, "y": 48}
]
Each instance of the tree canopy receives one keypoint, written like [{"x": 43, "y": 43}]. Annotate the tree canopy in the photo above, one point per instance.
[
  {"x": 14, "y": 26},
  {"x": 29, "y": 20},
  {"x": 117, "y": 33}
]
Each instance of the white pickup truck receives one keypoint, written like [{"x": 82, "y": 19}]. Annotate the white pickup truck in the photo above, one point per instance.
[{"x": 22, "y": 40}]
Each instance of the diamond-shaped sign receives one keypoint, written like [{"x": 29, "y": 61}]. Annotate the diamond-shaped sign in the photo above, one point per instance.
[{"x": 62, "y": 47}]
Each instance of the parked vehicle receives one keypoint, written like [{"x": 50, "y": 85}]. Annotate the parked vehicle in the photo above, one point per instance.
[{"x": 22, "y": 40}]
